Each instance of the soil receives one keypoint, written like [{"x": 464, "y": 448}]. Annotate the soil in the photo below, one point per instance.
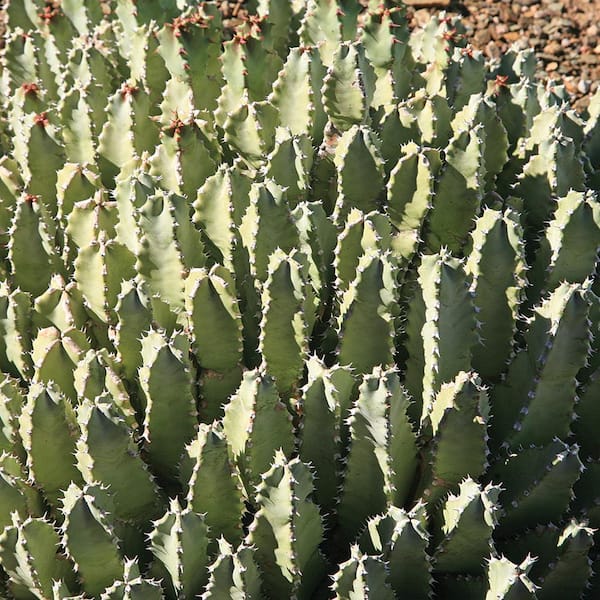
[{"x": 564, "y": 34}]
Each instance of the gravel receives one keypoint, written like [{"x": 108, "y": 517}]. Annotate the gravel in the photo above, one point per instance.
[{"x": 565, "y": 36}]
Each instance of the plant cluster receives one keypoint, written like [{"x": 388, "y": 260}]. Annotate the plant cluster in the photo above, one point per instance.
[{"x": 309, "y": 311}]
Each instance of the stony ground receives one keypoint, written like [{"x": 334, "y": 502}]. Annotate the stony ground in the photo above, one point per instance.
[{"x": 564, "y": 34}]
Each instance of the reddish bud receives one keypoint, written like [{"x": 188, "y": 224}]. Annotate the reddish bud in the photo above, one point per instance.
[
  {"x": 41, "y": 119},
  {"x": 128, "y": 90},
  {"x": 30, "y": 89},
  {"x": 500, "y": 82}
]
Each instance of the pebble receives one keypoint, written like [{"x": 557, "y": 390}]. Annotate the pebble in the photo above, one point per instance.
[
  {"x": 482, "y": 37},
  {"x": 428, "y": 3},
  {"x": 512, "y": 36},
  {"x": 553, "y": 47},
  {"x": 590, "y": 59},
  {"x": 563, "y": 34},
  {"x": 556, "y": 7},
  {"x": 583, "y": 86},
  {"x": 570, "y": 85}
]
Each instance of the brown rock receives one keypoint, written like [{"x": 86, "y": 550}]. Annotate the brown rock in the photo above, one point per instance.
[
  {"x": 508, "y": 13},
  {"x": 428, "y": 3},
  {"x": 512, "y": 36},
  {"x": 583, "y": 87},
  {"x": 591, "y": 59},
  {"x": 422, "y": 17},
  {"x": 564, "y": 34},
  {"x": 570, "y": 85},
  {"x": 553, "y": 47},
  {"x": 482, "y": 37}
]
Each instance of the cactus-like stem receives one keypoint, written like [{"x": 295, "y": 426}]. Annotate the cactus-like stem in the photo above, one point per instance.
[
  {"x": 401, "y": 540},
  {"x": 212, "y": 482},
  {"x": 134, "y": 317},
  {"x": 362, "y": 233},
  {"x": 360, "y": 172},
  {"x": 250, "y": 130},
  {"x": 466, "y": 523},
  {"x": 570, "y": 245},
  {"x": 537, "y": 485},
  {"x": 289, "y": 307},
  {"x": 166, "y": 381},
  {"x": 106, "y": 453},
  {"x": 49, "y": 430},
  {"x": 169, "y": 247},
  {"x": 477, "y": 111},
  {"x": 321, "y": 28},
  {"x": 179, "y": 544},
  {"x": 12, "y": 398},
  {"x": 362, "y": 576},
  {"x": 458, "y": 419},
  {"x": 496, "y": 262},
  {"x": 30, "y": 250},
  {"x": 133, "y": 586},
  {"x": 55, "y": 356},
  {"x": 409, "y": 195},
  {"x": 18, "y": 498},
  {"x": 90, "y": 539},
  {"x": 441, "y": 328},
  {"x": 28, "y": 553},
  {"x": 297, "y": 95},
  {"x": 267, "y": 225},
  {"x": 347, "y": 89},
  {"x": 256, "y": 424},
  {"x": 287, "y": 530},
  {"x": 366, "y": 315},
  {"x": 100, "y": 268},
  {"x": 462, "y": 178},
  {"x": 562, "y": 561},
  {"x": 324, "y": 406},
  {"x": 233, "y": 573},
  {"x": 382, "y": 454},
  {"x": 97, "y": 374},
  {"x": 78, "y": 134},
  {"x": 214, "y": 318},
  {"x": 534, "y": 403},
  {"x": 184, "y": 158},
  {"x": 289, "y": 166},
  {"x": 508, "y": 580},
  {"x": 218, "y": 209},
  {"x": 16, "y": 330}
]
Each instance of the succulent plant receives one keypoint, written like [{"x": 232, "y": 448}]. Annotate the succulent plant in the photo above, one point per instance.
[{"x": 305, "y": 305}]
